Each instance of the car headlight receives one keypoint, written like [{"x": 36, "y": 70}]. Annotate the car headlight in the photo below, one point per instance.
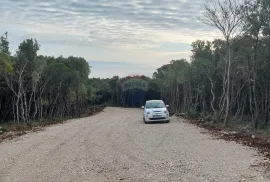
[
  {"x": 166, "y": 112},
  {"x": 148, "y": 113}
]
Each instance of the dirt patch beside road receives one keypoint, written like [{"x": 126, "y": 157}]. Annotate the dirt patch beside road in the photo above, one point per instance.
[
  {"x": 247, "y": 138},
  {"x": 10, "y": 131}
]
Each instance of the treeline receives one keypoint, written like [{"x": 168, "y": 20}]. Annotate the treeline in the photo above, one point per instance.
[
  {"x": 110, "y": 91},
  {"x": 34, "y": 87},
  {"x": 228, "y": 79}
]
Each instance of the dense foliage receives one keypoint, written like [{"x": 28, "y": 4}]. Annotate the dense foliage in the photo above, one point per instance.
[{"x": 34, "y": 87}]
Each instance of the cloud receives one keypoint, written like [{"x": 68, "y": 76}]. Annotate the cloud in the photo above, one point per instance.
[
  {"x": 108, "y": 69},
  {"x": 139, "y": 22},
  {"x": 133, "y": 30}
]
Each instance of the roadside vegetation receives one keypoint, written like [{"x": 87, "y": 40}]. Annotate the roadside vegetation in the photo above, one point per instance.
[{"x": 37, "y": 90}]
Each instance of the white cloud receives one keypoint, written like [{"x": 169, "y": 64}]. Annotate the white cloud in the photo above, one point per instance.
[
  {"x": 119, "y": 29},
  {"x": 115, "y": 21}
]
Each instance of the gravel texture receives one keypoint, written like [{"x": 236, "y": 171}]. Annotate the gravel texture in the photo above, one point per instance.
[{"x": 116, "y": 145}]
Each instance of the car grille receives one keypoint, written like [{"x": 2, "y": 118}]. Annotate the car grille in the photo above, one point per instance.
[{"x": 157, "y": 118}]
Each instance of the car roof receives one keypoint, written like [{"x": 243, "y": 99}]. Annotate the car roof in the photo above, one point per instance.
[{"x": 154, "y": 101}]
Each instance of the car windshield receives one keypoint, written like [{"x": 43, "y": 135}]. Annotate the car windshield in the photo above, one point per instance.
[{"x": 154, "y": 104}]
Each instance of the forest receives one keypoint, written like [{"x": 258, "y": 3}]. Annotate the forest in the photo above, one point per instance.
[{"x": 226, "y": 79}]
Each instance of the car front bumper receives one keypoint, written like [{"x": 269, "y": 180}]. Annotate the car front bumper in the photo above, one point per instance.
[{"x": 151, "y": 119}]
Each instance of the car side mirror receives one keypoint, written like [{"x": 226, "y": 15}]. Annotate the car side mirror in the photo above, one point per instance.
[
  {"x": 167, "y": 105},
  {"x": 142, "y": 107}
]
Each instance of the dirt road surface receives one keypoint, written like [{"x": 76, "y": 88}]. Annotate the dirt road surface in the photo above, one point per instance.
[{"x": 116, "y": 145}]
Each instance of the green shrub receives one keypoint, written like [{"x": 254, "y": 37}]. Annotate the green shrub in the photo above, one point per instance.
[
  {"x": 3, "y": 129},
  {"x": 208, "y": 118},
  {"x": 193, "y": 114},
  {"x": 211, "y": 118}
]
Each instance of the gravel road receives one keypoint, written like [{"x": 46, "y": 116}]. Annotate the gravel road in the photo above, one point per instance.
[{"x": 116, "y": 145}]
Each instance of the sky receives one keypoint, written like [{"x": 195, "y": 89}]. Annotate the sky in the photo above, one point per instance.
[{"x": 116, "y": 37}]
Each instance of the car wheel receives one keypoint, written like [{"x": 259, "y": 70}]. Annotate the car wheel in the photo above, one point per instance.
[
  {"x": 168, "y": 121},
  {"x": 145, "y": 122}
]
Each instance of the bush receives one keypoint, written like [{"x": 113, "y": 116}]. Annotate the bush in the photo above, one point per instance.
[
  {"x": 208, "y": 118},
  {"x": 211, "y": 118},
  {"x": 193, "y": 114},
  {"x": 3, "y": 129}
]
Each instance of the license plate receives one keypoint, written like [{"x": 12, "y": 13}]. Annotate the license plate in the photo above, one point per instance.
[{"x": 156, "y": 116}]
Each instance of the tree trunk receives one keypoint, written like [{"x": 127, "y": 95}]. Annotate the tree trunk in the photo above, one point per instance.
[
  {"x": 266, "y": 104},
  {"x": 213, "y": 96},
  {"x": 228, "y": 85}
]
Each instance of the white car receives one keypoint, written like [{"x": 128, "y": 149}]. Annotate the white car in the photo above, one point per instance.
[{"x": 155, "y": 110}]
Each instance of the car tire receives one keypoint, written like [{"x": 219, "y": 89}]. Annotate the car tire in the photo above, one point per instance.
[
  {"x": 144, "y": 121},
  {"x": 168, "y": 121}
]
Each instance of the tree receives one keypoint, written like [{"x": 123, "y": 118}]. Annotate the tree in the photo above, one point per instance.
[
  {"x": 5, "y": 61},
  {"x": 4, "y": 44},
  {"x": 6, "y": 67},
  {"x": 225, "y": 15},
  {"x": 256, "y": 15},
  {"x": 6, "y": 64}
]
